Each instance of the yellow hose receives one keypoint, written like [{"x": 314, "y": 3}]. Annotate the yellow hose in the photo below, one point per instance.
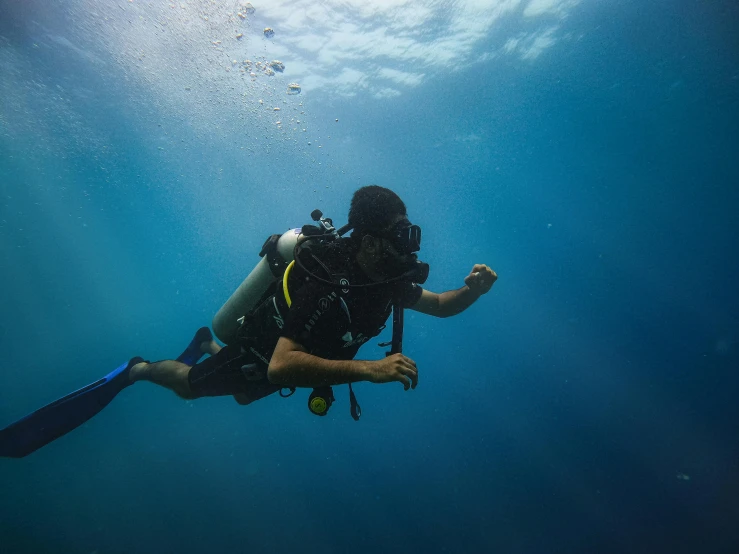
[{"x": 284, "y": 283}]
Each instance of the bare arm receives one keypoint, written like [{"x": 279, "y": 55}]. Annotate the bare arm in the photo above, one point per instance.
[
  {"x": 292, "y": 365},
  {"x": 453, "y": 302},
  {"x": 445, "y": 304}
]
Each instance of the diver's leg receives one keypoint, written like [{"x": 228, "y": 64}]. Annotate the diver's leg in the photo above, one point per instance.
[
  {"x": 219, "y": 375},
  {"x": 242, "y": 399},
  {"x": 167, "y": 373},
  {"x": 172, "y": 374}
]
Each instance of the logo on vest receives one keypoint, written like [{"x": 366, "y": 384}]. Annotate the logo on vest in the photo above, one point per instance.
[
  {"x": 324, "y": 304},
  {"x": 264, "y": 360}
]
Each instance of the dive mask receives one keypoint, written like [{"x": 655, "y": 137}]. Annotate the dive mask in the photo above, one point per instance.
[{"x": 406, "y": 237}]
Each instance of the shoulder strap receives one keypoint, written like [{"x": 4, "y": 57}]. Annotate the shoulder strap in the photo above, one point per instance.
[{"x": 277, "y": 264}]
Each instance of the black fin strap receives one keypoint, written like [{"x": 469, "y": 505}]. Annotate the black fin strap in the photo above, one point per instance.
[{"x": 355, "y": 408}]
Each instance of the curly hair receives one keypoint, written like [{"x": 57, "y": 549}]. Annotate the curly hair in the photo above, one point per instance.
[{"x": 373, "y": 208}]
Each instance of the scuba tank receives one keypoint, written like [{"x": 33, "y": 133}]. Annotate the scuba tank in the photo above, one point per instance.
[{"x": 275, "y": 252}]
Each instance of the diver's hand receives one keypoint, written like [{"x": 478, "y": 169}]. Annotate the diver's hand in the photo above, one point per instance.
[
  {"x": 481, "y": 279},
  {"x": 394, "y": 368}
]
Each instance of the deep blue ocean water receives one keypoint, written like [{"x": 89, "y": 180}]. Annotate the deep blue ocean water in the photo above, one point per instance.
[{"x": 587, "y": 151}]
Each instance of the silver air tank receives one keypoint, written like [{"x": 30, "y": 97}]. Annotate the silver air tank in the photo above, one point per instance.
[{"x": 244, "y": 298}]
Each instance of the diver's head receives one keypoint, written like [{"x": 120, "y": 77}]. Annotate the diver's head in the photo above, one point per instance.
[
  {"x": 387, "y": 240},
  {"x": 374, "y": 207}
]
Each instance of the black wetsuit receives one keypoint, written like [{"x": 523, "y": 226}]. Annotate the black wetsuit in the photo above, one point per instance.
[{"x": 330, "y": 323}]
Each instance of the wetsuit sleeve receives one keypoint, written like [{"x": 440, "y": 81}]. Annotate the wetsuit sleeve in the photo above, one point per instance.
[
  {"x": 410, "y": 294},
  {"x": 314, "y": 316}
]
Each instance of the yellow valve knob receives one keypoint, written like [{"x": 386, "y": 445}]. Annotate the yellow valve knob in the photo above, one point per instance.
[{"x": 318, "y": 405}]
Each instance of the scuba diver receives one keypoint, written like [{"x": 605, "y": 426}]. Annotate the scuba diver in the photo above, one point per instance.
[{"x": 298, "y": 320}]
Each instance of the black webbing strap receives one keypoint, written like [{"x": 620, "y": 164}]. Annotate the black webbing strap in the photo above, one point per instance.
[
  {"x": 355, "y": 408},
  {"x": 277, "y": 264},
  {"x": 396, "y": 345}
]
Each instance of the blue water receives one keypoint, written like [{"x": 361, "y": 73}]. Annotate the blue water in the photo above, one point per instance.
[{"x": 586, "y": 404}]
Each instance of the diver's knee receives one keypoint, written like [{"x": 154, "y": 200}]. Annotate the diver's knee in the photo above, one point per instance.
[
  {"x": 242, "y": 399},
  {"x": 186, "y": 394}
]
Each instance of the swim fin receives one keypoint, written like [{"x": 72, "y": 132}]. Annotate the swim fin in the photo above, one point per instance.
[
  {"x": 61, "y": 416},
  {"x": 192, "y": 353}
]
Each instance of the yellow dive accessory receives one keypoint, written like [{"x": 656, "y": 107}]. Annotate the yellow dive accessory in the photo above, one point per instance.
[
  {"x": 284, "y": 283},
  {"x": 318, "y": 405},
  {"x": 320, "y": 400}
]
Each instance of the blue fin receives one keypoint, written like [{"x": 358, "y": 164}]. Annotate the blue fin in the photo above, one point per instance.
[
  {"x": 61, "y": 416},
  {"x": 192, "y": 353}
]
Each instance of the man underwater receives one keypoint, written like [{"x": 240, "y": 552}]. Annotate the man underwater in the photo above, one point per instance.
[{"x": 305, "y": 331}]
